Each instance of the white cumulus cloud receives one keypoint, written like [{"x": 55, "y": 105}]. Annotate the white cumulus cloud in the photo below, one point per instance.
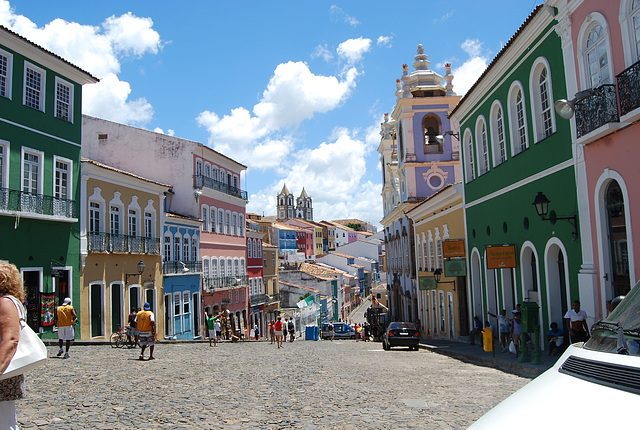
[
  {"x": 352, "y": 50},
  {"x": 384, "y": 41},
  {"x": 294, "y": 94},
  {"x": 98, "y": 50},
  {"x": 468, "y": 73}
]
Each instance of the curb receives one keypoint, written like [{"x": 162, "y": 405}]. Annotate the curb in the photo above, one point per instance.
[{"x": 516, "y": 368}]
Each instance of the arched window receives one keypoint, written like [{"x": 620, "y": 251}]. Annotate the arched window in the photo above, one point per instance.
[
  {"x": 241, "y": 224},
  {"x": 542, "y": 99},
  {"x": 596, "y": 57},
  {"x": 186, "y": 248},
  {"x": 634, "y": 22},
  {"x": 177, "y": 241},
  {"x": 234, "y": 223},
  {"x": 431, "y": 129},
  {"x": 249, "y": 248},
  {"x": 483, "y": 146},
  {"x": 517, "y": 119},
  {"x": 497, "y": 134},
  {"x": 470, "y": 168},
  {"x": 220, "y": 221},
  {"x": 400, "y": 142},
  {"x": 167, "y": 246}
]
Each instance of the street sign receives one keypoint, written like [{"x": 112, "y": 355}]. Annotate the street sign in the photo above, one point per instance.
[
  {"x": 453, "y": 248},
  {"x": 455, "y": 268},
  {"x": 501, "y": 256},
  {"x": 427, "y": 283}
]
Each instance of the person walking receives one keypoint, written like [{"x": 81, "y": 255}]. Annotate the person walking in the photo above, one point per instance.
[
  {"x": 332, "y": 331},
  {"x": 66, "y": 317},
  {"x": 278, "y": 330},
  {"x": 256, "y": 331},
  {"x": 147, "y": 328},
  {"x": 211, "y": 326},
  {"x": 11, "y": 295},
  {"x": 291, "y": 328},
  {"x": 504, "y": 328},
  {"x": 272, "y": 331}
]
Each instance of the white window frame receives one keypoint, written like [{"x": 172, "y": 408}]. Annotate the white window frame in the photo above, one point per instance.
[
  {"x": 195, "y": 255},
  {"x": 4, "y": 165},
  {"x": 177, "y": 305},
  {"x": 186, "y": 303},
  {"x": 470, "y": 170},
  {"x": 177, "y": 247},
  {"x": 167, "y": 243},
  {"x": 204, "y": 215},
  {"x": 149, "y": 224},
  {"x": 213, "y": 212},
  {"x": 153, "y": 215},
  {"x": 42, "y": 91},
  {"x": 58, "y": 83},
  {"x": 186, "y": 248},
  {"x": 214, "y": 265},
  {"x": 630, "y": 45},
  {"x": 482, "y": 149},
  {"x": 517, "y": 129},
  {"x": 8, "y": 76},
  {"x": 498, "y": 134},
  {"x": 542, "y": 104},
  {"x": 591, "y": 21}
]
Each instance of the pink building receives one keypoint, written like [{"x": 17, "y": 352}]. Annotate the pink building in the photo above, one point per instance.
[{"x": 601, "y": 42}]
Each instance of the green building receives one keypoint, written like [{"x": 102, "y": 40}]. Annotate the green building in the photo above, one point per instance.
[
  {"x": 40, "y": 132},
  {"x": 513, "y": 148}
]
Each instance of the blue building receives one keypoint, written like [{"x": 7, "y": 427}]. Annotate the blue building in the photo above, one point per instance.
[{"x": 182, "y": 271}]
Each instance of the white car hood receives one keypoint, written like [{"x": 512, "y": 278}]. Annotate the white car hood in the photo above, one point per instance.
[{"x": 559, "y": 400}]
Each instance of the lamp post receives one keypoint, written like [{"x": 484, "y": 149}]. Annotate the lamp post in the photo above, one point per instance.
[
  {"x": 140, "y": 266},
  {"x": 541, "y": 203}
]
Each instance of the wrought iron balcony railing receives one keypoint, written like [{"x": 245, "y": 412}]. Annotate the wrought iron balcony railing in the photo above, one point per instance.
[
  {"x": 123, "y": 244},
  {"x": 20, "y": 201},
  {"x": 201, "y": 181},
  {"x": 218, "y": 283},
  {"x": 597, "y": 110},
  {"x": 629, "y": 88},
  {"x": 256, "y": 299},
  {"x": 181, "y": 267}
]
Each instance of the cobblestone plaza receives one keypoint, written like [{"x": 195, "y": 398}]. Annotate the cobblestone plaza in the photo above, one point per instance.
[{"x": 254, "y": 385}]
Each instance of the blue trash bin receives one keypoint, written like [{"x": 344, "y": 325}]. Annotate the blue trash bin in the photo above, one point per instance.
[{"x": 311, "y": 332}]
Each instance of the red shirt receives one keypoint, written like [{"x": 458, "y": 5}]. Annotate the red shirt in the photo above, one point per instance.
[{"x": 278, "y": 325}]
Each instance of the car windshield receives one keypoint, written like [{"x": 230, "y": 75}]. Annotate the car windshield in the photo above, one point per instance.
[
  {"x": 401, "y": 325},
  {"x": 605, "y": 334}
]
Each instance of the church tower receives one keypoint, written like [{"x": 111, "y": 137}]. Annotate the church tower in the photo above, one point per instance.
[
  {"x": 304, "y": 207},
  {"x": 285, "y": 204}
]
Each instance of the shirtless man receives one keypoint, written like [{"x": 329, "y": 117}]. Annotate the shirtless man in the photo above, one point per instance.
[{"x": 577, "y": 323}]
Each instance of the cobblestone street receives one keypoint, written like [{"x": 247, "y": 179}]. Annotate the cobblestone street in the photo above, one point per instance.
[{"x": 254, "y": 385}]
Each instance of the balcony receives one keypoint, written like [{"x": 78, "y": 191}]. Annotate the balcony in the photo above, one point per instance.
[
  {"x": 37, "y": 204},
  {"x": 201, "y": 181},
  {"x": 181, "y": 267},
  {"x": 211, "y": 284},
  {"x": 629, "y": 89},
  {"x": 597, "y": 110},
  {"x": 257, "y": 299},
  {"x": 123, "y": 244}
]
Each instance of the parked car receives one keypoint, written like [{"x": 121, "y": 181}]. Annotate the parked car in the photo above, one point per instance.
[
  {"x": 401, "y": 334},
  {"x": 595, "y": 383},
  {"x": 340, "y": 330}
]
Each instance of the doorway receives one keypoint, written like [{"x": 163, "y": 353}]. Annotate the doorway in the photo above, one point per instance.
[{"x": 96, "y": 305}]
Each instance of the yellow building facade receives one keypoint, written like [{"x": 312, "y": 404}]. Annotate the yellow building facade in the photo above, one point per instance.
[
  {"x": 121, "y": 256},
  {"x": 439, "y": 237}
]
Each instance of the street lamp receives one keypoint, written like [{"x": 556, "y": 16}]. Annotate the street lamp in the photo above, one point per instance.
[
  {"x": 440, "y": 137},
  {"x": 566, "y": 108},
  {"x": 140, "y": 268},
  {"x": 437, "y": 275},
  {"x": 541, "y": 203}
]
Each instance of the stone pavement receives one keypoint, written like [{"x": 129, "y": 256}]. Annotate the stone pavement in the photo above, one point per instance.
[{"x": 254, "y": 385}]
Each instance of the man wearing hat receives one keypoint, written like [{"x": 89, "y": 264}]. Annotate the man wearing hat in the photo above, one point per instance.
[
  {"x": 66, "y": 318},
  {"x": 147, "y": 330}
]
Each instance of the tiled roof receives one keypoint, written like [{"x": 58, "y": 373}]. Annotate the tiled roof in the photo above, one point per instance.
[
  {"x": 113, "y": 169},
  {"x": 13, "y": 33}
]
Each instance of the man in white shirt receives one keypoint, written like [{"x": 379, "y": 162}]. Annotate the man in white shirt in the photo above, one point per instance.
[{"x": 577, "y": 323}]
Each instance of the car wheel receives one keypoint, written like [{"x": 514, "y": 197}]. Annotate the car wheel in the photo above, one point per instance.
[{"x": 384, "y": 345}]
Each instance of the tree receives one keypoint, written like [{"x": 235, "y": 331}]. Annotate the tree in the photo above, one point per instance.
[
  {"x": 305, "y": 296},
  {"x": 356, "y": 227}
]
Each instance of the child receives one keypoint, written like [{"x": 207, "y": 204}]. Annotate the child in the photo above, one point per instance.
[{"x": 487, "y": 337}]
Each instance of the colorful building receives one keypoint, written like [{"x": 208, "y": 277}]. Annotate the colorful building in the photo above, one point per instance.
[
  {"x": 120, "y": 228},
  {"x": 516, "y": 152},
  {"x": 601, "y": 43},
  {"x": 417, "y": 162},
  {"x": 40, "y": 135}
]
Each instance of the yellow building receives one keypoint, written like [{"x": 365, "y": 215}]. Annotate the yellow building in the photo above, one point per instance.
[
  {"x": 120, "y": 226},
  {"x": 440, "y": 261}
]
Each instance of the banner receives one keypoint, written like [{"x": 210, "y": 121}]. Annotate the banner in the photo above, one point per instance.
[{"x": 47, "y": 309}]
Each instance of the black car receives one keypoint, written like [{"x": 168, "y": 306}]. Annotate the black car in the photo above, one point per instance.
[{"x": 401, "y": 334}]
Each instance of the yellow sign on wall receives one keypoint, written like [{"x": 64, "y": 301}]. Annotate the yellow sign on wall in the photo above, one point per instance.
[{"x": 501, "y": 256}]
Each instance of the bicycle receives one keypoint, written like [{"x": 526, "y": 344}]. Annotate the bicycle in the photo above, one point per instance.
[{"x": 118, "y": 338}]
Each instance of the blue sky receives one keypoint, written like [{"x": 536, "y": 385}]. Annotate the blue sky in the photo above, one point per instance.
[{"x": 295, "y": 90}]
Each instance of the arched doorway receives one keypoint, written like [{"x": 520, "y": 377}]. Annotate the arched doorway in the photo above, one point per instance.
[
  {"x": 476, "y": 286},
  {"x": 618, "y": 270},
  {"x": 557, "y": 297}
]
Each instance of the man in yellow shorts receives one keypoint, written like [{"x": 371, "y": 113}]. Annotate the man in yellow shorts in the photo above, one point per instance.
[
  {"x": 147, "y": 327},
  {"x": 66, "y": 316}
]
